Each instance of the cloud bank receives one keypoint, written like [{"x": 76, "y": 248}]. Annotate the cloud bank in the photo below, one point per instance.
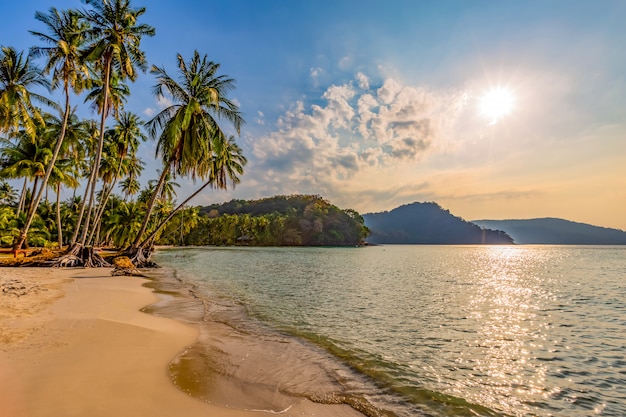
[{"x": 354, "y": 142}]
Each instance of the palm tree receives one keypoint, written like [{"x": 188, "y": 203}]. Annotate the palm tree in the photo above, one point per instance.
[
  {"x": 7, "y": 194},
  {"x": 130, "y": 185},
  {"x": 168, "y": 193},
  {"x": 125, "y": 137},
  {"x": 65, "y": 36},
  {"x": 114, "y": 38},
  {"x": 226, "y": 164},
  {"x": 123, "y": 222},
  {"x": 25, "y": 159},
  {"x": 17, "y": 76},
  {"x": 85, "y": 152},
  {"x": 190, "y": 125},
  {"x": 117, "y": 93},
  {"x": 62, "y": 175}
]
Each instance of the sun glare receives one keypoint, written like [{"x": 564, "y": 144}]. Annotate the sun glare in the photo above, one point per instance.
[{"x": 497, "y": 103}]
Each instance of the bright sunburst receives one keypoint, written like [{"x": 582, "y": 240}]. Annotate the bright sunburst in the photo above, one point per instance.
[{"x": 497, "y": 103}]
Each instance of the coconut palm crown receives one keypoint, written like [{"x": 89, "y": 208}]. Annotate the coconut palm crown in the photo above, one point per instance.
[{"x": 190, "y": 126}]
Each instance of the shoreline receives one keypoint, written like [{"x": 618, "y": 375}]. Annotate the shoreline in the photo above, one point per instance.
[{"x": 75, "y": 342}]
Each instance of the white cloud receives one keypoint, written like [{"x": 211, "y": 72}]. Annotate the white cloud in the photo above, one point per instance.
[
  {"x": 164, "y": 102},
  {"x": 315, "y": 74},
  {"x": 358, "y": 141},
  {"x": 346, "y": 62},
  {"x": 260, "y": 119},
  {"x": 161, "y": 103},
  {"x": 363, "y": 81}
]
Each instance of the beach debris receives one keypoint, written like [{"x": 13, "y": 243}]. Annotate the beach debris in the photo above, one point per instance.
[
  {"x": 125, "y": 267},
  {"x": 41, "y": 252},
  {"x": 17, "y": 288}
]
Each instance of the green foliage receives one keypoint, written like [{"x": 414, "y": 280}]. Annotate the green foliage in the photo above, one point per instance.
[
  {"x": 297, "y": 220},
  {"x": 91, "y": 54}
]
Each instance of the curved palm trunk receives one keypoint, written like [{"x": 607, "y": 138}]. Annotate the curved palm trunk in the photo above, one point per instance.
[
  {"x": 144, "y": 224},
  {"x": 96, "y": 167},
  {"x": 20, "y": 205},
  {"x": 32, "y": 197},
  {"x": 49, "y": 168},
  {"x": 59, "y": 227},
  {"x": 172, "y": 214}
]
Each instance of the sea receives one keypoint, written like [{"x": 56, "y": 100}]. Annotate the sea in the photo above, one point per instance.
[{"x": 405, "y": 330}]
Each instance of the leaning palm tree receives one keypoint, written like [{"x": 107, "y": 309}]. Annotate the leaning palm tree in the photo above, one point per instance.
[
  {"x": 65, "y": 37},
  {"x": 226, "y": 164},
  {"x": 189, "y": 127},
  {"x": 168, "y": 191},
  {"x": 114, "y": 38},
  {"x": 17, "y": 77}
]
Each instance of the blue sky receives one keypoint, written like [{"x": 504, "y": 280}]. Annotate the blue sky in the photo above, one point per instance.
[{"x": 375, "y": 104}]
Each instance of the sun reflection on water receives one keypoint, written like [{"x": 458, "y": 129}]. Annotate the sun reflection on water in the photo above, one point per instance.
[{"x": 505, "y": 304}]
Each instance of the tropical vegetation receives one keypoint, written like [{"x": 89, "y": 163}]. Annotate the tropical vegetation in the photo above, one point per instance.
[
  {"x": 92, "y": 55},
  {"x": 47, "y": 150},
  {"x": 296, "y": 220}
]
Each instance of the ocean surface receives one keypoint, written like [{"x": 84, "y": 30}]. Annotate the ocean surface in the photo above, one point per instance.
[{"x": 412, "y": 330}]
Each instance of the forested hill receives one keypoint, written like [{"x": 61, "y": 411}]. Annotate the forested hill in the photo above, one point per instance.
[
  {"x": 427, "y": 223},
  {"x": 556, "y": 232},
  {"x": 296, "y": 220}
]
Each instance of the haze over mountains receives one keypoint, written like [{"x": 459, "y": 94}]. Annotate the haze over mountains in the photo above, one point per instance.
[
  {"x": 429, "y": 223},
  {"x": 552, "y": 231}
]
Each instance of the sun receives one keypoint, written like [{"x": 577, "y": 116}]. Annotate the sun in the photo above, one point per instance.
[{"x": 497, "y": 103}]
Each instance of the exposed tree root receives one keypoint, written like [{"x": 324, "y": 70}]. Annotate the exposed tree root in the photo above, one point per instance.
[
  {"x": 141, "y": 258},
  {"x": 78, "y": 256}
]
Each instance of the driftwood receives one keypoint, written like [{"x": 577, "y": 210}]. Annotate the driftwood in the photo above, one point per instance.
[{"x": 125, "y": 267}]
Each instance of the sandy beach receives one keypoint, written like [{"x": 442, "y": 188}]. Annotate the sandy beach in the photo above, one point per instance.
[{"x": 73, "y": 342}]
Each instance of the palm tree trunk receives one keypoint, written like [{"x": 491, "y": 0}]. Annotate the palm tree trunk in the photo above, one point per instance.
[
  {"x": 20, "y": 206},
  {"x": 46, "y": 177},
  {"x": 81, "y": 213},
  {"x": 105, "y": 199},
  {"x": 172, "y": 213},
  {"x": 59, "y": 227},
  {"x": 96, "y": 166},
  {"x": 32, "y": 197},
  {"x": 146, "y": 219},
  {"x": 106, "y": 192}
]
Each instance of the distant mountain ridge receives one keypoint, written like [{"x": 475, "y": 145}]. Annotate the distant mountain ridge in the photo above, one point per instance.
[
  {"x": 427, "y": 223},
  {"x": 554, "y": 231}
]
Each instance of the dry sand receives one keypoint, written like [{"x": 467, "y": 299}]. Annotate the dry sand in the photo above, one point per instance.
[{"x": 74, "y": 343}]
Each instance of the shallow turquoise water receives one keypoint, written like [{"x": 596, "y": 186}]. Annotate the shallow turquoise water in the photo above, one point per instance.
[{"x": 443, "y": 330}]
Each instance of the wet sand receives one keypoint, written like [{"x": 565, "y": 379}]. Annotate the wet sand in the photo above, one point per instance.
[{"x": 73, "y": 342}]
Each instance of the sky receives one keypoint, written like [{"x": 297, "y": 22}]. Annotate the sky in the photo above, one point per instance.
[{"x": 376, "y": 104}]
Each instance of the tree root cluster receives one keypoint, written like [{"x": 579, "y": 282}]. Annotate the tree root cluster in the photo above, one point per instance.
[
  {"x": 81, "y": 256},
  {"x": 127, "y": 263}
]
